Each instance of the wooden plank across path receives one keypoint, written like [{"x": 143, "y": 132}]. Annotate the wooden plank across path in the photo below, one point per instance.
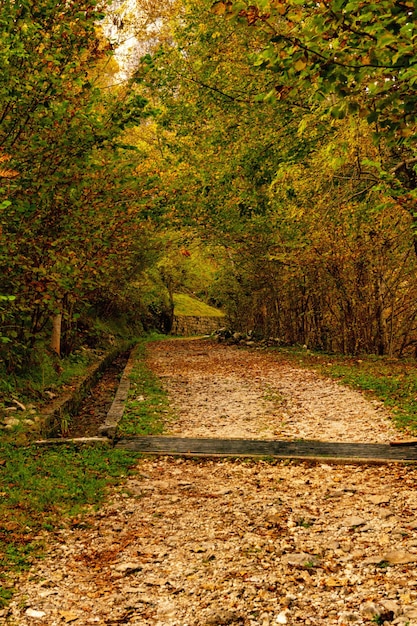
[{"x": 302, "y": 449}]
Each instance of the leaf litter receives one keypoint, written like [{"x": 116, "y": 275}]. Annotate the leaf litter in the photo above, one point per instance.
[{"x": 190, "y": 543}]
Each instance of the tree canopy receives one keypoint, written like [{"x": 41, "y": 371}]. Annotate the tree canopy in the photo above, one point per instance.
[{"x": 276, "y": 140}]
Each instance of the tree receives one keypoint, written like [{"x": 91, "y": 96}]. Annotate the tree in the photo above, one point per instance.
[
  {"x": 305, "y": 204},
  {"x": 75, "y": 206}
]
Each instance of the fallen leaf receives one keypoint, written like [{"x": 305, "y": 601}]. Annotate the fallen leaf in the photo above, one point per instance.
[{"x": 68, "y": 616}]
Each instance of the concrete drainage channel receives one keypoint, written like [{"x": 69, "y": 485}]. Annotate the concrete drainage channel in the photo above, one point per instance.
[{"x": 70, "y": 404}]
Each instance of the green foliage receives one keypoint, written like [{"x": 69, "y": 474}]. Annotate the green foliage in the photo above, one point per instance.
[
  {"x": 362, "y": 54},
  {"x": 71, "y": 228},
  {"x": 299, "y": 165},
  {"x": 147, "y": 409}
]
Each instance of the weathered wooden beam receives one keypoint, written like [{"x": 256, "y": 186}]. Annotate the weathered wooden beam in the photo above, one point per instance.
[{"x": 302, "y": 449}]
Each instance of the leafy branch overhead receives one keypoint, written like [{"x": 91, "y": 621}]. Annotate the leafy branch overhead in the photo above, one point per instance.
[{"x": 362, "y": 54}]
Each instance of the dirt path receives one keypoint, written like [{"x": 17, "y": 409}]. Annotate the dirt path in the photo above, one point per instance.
[
  {"x": 222, "y": 391},
  {"x": 186, "y": 543}
]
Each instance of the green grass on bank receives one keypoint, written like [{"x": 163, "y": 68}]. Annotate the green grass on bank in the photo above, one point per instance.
[
  {"x": 45, "y": 489},
  {"x": 393, "y": 381},
  {"x": 147, "y": 410},
  {"x": 186, "y": 305}
]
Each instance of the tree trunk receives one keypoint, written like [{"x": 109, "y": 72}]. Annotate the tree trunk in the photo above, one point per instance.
[{"x": 56, "y": 333}]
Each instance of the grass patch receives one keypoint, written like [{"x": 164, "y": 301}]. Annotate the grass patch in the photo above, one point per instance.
[
  {"x": 46, "y": 371},
  {"x": 41, "y": 489},
  {"x": 392, "y": 381},
  {"x": 186, "y": 305},
  {"x": 147, "y": 409}
]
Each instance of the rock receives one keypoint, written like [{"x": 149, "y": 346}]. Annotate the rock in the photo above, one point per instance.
[
  {"x": 128, "y": 568},
  {"x": 223, "y": 618},
  {"x": 392, "y": 606},
  {"x": 354, "y": 521},
  {"x": 11, "y": 422},
  {"x": 382, "y": 499},
  {"x": 374, "y": 560},
  {"x": 399, "y": 557},
  {"x": 281, "y": 618},
  {"x": 35, "y": 614},
  {"x": 300, "y": 559},
  {"x": 68, "y": 616},
  {"x": 347, "y": 616},
  {"x": 370, "y": 610}
]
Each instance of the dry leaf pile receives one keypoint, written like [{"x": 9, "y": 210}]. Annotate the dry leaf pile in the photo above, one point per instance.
[{"x": 206, "y": 543}]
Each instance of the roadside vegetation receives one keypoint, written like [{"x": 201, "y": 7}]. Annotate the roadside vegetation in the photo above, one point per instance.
[
  {"x": 44, "y": 490},
  {"x": 187, "y": 305},
  {"x": 147, "y": 409}
]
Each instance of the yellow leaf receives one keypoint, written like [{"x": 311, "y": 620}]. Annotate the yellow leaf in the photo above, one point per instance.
[
  {"x": 300, "y": 64},
  {"x": 218, "y": 8},
  {"x": 296, "y": 16},
  {"x": 8, "y": 173}
]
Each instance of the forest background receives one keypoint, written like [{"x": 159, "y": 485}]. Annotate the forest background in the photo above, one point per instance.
[{"x": 261, "y": 156}]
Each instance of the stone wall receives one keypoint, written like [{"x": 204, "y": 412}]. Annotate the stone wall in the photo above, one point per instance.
[{"x": 188, "y": 325}]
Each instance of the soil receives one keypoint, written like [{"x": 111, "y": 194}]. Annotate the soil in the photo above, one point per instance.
[{"x": 200, "y": 543}]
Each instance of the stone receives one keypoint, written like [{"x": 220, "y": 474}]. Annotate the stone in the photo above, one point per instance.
[
  {"x": 222, "y": 618},
  {"x": 300, "y": 559},
  {"x": 128, "y": 568},
  {"x": 347, "y": 616},
  {"x": 392, "y": 606},
  {"x": 11, "y": 421},
  {"x": 399, "y": 557},
  {"x": 370, "y": 609},
  {"x": 35, "y": 614},
  {"x": 378, "y": 499},
  {"x": 354, "y": 521}
]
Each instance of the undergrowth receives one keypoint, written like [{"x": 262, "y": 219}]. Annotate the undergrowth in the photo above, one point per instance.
[
  {"x": 390, "y": 380},
  {"x": 147, "y": 409}
]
